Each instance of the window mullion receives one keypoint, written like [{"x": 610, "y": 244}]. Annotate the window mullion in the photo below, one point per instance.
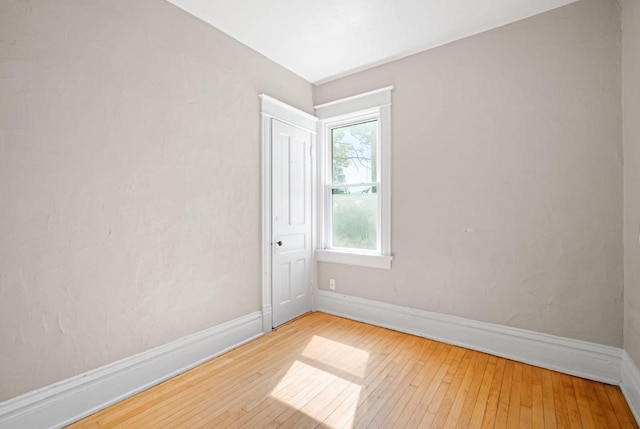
[{"x": 354, "y": 185}]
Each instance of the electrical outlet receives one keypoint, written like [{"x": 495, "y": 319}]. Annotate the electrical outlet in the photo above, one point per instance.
[{"x": 332, "y": 284}]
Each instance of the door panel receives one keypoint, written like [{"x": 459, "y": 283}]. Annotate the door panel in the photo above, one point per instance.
[
  {"x": 291, "y": 221},
  {"x": 292, "y": 243},
  {"x": 285, "y": 283}
]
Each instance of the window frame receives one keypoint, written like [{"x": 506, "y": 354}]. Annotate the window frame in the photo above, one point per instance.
[
  {"x": 373, "y": 105},
  {"x": 329, "y": 186}
]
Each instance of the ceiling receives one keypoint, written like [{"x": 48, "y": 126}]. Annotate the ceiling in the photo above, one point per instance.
[{"x": 324, "y": 39}]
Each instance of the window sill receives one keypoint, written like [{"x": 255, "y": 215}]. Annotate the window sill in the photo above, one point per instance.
[{"x": 359, "y": 259}]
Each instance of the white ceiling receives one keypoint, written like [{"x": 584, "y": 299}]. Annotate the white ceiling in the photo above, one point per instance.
[{"x": 324, "y": 39}]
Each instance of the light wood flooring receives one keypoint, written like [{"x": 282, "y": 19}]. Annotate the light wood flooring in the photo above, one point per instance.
[{"x": 322, "y": 371}]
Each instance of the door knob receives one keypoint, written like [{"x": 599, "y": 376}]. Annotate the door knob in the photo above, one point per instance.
[{"x": 279, "y": 243}]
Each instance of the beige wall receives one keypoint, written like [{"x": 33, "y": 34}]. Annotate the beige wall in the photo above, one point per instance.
[
  {"x": 515, "y": 134},
  {"x": 631, "y": 133},
  {"x": 129, "y": 181}
]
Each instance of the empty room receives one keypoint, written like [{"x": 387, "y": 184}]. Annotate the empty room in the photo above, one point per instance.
[{"x": 319, "y": 214}]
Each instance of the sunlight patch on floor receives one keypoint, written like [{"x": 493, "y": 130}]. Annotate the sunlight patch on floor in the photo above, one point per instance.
[
  {"x": 343, "y": 357},
  {"x": 325, "y": 382}
]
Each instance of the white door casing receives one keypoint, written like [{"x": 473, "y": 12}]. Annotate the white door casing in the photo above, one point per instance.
[{"x": 291, "y": 168}]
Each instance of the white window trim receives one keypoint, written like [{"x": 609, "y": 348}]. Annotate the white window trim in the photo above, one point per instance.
[{"x": 378, "y": 103}]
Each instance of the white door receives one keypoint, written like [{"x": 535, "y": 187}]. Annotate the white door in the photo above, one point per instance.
[{"x": 291, "y": 221}]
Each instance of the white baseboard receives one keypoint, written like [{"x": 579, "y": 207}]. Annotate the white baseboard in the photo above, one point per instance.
[
  {"x": 62, "y": 403},
  {"x": 267, "y": 319},
  {"x": 631, "y": 384},
  {"x": 574, "y": 357}
]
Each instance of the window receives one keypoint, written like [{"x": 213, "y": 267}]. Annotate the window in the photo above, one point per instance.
[
  {"x": 354, "y": 199},
  {"x": 354, "y": 209}
]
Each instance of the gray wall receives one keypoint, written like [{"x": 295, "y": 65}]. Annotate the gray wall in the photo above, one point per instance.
[
  {"x": 631, "y": 132},
  {"x": 515, "y": 134},
  {"x": 129, "y": 181}
]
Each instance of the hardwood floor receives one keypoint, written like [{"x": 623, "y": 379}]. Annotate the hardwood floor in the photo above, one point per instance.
[{"x": 322, "y": 371}]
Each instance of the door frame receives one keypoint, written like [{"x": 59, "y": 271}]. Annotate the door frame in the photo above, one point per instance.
[{"x": 270, "y": 109}]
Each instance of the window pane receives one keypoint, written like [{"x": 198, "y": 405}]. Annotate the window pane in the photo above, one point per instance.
[
  {"x": 354, "y": 213},
  {"x": 354, "y": 153}
]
